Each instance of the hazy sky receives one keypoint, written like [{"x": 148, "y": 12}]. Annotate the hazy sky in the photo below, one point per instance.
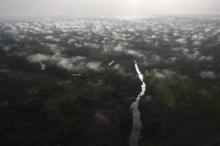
[{"x": 106, "y": 7}]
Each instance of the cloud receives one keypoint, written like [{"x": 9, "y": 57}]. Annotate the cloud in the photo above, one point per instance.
[
  {"x": 38, "y": 58},
  {"x": 181, "y": 41},
  {"x": 198, "y": 37},
  {"x": 197, "y": 43},
  {"x": 161, "y": 74},
  {"x": 134, "y": 53},
  {"x": 49, "y": 37},
  {"x": 94, "y": 66},
  {"x": 121, "y": 49},
  {"x": 7, "y": 48},
  {"x": 206, "y": 58},
  {"x": 120, "y": 69},
  {"x": 208, "y": 75},
  {"x": 75, "y": 63},
  {"x": 71, "y": 41},
  {"x": 66, "y": 64},
  {"x": 118, "y": 48}
]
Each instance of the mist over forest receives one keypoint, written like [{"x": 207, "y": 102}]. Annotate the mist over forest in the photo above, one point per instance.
[{"x": 125, "y": 73}]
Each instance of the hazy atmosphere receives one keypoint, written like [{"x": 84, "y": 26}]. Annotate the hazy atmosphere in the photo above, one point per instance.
[
  {"x": 110, "y": 73},
  {"x": 86, "y": 8}
]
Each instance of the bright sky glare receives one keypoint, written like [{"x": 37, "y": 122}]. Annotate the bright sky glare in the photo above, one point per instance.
[{"x": 107, "y": 7}]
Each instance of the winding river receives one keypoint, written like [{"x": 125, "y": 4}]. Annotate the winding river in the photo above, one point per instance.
[{"x": 136, "y": 123}]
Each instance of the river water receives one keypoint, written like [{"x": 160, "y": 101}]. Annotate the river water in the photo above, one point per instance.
[{"x": 136, "y": 115}]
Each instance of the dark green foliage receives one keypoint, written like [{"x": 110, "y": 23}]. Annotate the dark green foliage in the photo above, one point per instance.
[{"x": 181, "y": 112}]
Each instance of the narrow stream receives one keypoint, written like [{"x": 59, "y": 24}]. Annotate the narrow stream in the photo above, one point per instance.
[{"x": 137, "y": 124}]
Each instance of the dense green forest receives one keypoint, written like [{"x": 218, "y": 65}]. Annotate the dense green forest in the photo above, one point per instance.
[{"x": 71, "y": 82}]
